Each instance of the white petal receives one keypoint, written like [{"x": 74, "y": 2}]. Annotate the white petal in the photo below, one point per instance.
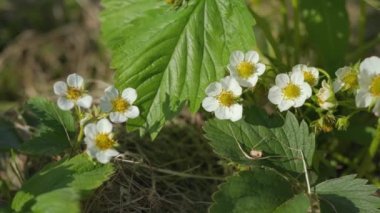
[
  {"x": 363, "y": 99},
  {"x": 214, "y": 89},
  {"x": 252, "y": 81},
  {"x": 299, "y": 101},
  {"x": 223, "y": 113},
  {"x": 90, "y": 130},
  {"x": 232, "y": 70},
  {"x": 260, "y": 69},
  {"x": 132, "y": 112},
  {"x": 102, "y": 157},
  {"x": 64, "y": 103},
  {"x": 111, "y": 152},
  {"x": 104, "y": 126},
  {"x": 118, "y": 117},
  {"x": 337, "y": 85},
  {"x": 299, "y": 68},
  {"x": 275, "y": 95},
  {"x": 105, "y": 105},
  {"x": 314, "y": 71},
  {"x": 306, "y": 89},
  {"x": 236, "y": 112},
  {"x": 210, "y": 104},
  {"x": 376, "y": 108},
  {"x": 370, "y": 65},
  {"x": 236, "y": 58},
  {"x": 85, "y": 101},
  {"x": 230, "y": 84},
  {"x": 90, "y": 142},
  {"x": 129, "y": 94},
  {"x": 282, "y": 80},
  {"x": 341, "y": 72},
  {"x": 111, "y": 92},
  {"x": 60, "y": 88},
  {"x": 252, "y": 56},
  {"x": 365, "y": 80},
  {"x": 297, "y": 77},
  {"x": 285, "y": 105},
  {"x": 92, "y": 151},
  {"x": 75, "y": 80}
]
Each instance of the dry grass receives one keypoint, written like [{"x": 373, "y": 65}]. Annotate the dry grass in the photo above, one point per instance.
[{"x": 176, "y": 173}]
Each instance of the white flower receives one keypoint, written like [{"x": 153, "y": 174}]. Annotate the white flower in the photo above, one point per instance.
[
  {"x": 119, "y": 106},
  {"x": 245, "y": 68},
  {"x": 99, "y": 140},
  {"x": 72, "y": 93},
  {"x": 310, "y": 74},
  {"x": 222, "y": 99},
  {"x": 290, "y": 91},
  {"x": 347, "y": 79},
  {"x": 369, "y": 84},
  {"x": 326, "y": 97}
]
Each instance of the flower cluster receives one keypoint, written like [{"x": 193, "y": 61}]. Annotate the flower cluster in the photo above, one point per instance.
[
  {"x": 223, "y": 97},
  {"x": 293, "y": 89},
  {"x": 98, "y": 134}
]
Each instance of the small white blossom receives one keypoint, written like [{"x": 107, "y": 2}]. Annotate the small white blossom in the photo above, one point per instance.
[
  {"x": 347, "y": 79},
  {"x": 326, "y": 97},
  {"x": 369, "y": 84},
  {"x": 222, "y": 99},
  {"x": 72, "y": 93},
  {"x": 119, "y": 105},
  {"x": 99, "y": 141},
  {"x": 310, "y": 74},
  {"x": 245, "y": 67},
  {"x": 290, "y": 91}
]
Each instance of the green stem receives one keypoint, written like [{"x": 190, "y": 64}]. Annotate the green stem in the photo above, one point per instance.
[
  {"x": 80, "y": 134},
  {"x": 375, "y": 142},
  {"x": 325, "y": 73}
]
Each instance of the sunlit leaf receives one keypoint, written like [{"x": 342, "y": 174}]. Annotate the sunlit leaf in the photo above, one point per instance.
[{"x": 170, "y": 55}]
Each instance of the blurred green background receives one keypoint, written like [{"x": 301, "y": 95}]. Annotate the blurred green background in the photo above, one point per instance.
[{"x": 42, "y": 41}]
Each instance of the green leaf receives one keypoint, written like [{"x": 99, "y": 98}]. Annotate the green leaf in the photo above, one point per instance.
[
  {"x": 327, "y": 25},
  {"x": 347, "y": 194},
  {"x": 55, "y": 129},
  {"x": 58, "y": 201},
  {"x": 258, "y": 191},
  {"x": 78, "y": 173},
  {"x": 50, "y": 115},
  {"x": 47, "y": 141},
  {"x": 281, "y": 141},
  {"x": 171, "y": 55}
]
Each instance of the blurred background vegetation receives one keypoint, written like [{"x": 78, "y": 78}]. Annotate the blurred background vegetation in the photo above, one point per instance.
[{"x": 42, "y": 41}]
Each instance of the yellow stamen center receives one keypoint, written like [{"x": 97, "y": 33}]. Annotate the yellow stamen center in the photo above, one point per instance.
[
  {"x": 375, "y": 86},
  {"x": 245, "y": 69},
  {"x": 120, "y": 105},
  {"x": 350, "y": 80},
  {"x": 226, "y": 98},
  {"x": 103, "y": 141},
  {"x": 291, "y": 91},
  {"x": 309, "y": 78},
  {"x": 73, "y": 93}
]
